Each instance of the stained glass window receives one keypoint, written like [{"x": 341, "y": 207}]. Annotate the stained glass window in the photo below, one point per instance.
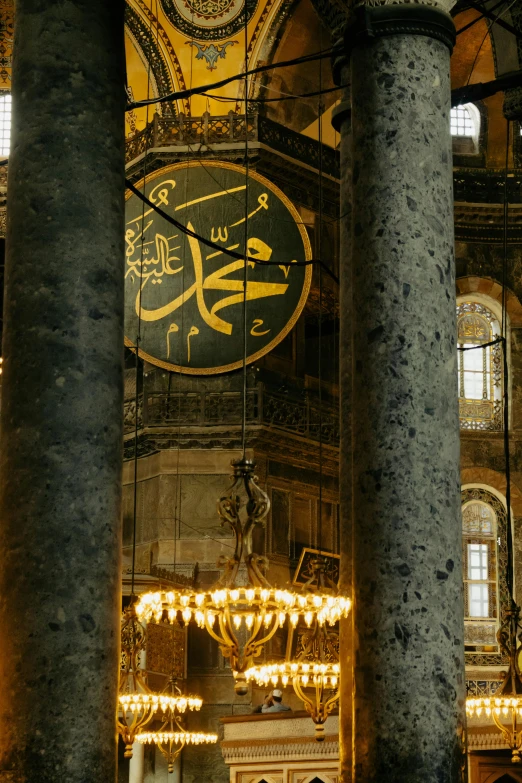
[{"x": 479, "y": 367}]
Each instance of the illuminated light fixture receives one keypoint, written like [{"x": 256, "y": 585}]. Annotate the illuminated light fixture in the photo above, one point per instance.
[
  {"x": 256, "y": 606},
  {"x": 504, "y": 709},
  {"x": 314, "y": 674},
  {"x": 171, "y": 738},
  {"x": 171, "y": 743},
  {"x": 137, "y": 704}
]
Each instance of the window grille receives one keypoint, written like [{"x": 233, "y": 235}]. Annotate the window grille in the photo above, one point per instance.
[
  {"x": 461, "y": 122},
  {"x": 479, "y": 369},
  {"x": 5, "y": 124},
  {"x": 486, "y": 597},
  {"x": 479, "y": 550}
]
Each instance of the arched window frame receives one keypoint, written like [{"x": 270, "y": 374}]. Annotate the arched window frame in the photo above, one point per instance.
[
  {"x": 5, "y": 123},
  {"x": 483, "y": 410},
  {"x": 468, "y": 142},
  {"x": 480, "y": 644}
]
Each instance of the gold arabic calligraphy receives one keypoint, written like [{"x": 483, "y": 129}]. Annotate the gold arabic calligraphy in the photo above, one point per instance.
[{"x": 144, "y": 266}]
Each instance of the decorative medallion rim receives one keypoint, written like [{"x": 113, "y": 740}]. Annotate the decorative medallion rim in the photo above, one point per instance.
[
  {"x": 307, "y": 278},
  {"x": 176, "y": 13}
]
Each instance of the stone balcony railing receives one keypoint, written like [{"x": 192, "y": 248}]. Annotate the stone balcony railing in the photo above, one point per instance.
[
  {"x": 204, "y": 409},
  {"x": 279, "y": 748},
  {"x": 231, "y": 129}
]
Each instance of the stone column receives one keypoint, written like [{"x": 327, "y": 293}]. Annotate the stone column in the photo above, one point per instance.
[
  {"x": 61, "y": 418},
  {"x": 137, "y": 763},
  {"x": 407, "y": 578},
  {"x": 342, "y": 122}
]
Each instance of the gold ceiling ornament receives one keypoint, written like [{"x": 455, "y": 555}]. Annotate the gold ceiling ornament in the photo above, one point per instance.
[
  {"x": 504, "y": 709},
  {"x": 137, "y": 704},
  {"x": 256, "y": 607},
  {"x": 171, "y": 738}
]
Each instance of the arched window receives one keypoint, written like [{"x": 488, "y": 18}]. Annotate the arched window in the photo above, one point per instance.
[
  {"x": 479, "y": 527},
  {"x": 5, "y": 123},
  {"x": 480, "y": 367},
  {"x": 484, "y": 557},
  {"x": 462, "y": 122}
]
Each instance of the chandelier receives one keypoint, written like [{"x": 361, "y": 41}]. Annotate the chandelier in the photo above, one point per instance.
[
  {"x": 171, "y": 738},
  {"x": 254, "y": 610},
  {"x": 137, "y": 704},
  {"x": 505, "y": 707},
  {"x": 314, "y": 672}
]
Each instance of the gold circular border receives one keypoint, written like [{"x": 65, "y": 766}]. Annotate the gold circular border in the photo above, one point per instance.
[{"x": 308, "y": 270}]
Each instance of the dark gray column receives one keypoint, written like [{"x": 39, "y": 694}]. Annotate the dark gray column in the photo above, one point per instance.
[
  {"x": 408, "y": 610},
  {"x": 61, "y": 419},
  {"x": 342, "y": 122}
]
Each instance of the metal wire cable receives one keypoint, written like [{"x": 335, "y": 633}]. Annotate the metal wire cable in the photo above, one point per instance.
[
  {"x": 181, "y": 94},
  {"x": 214, "y": 246},
  {"x": 507, "y": 456},
  {"x": 245, "y": 267}
]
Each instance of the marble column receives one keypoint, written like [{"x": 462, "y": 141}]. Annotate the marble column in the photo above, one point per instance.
[
  {"x": 342, "y": 122},
  {"x": 137, "y": 763},
  {"x": 407, "y": 579},
  {"x": 61, "y": 418}
]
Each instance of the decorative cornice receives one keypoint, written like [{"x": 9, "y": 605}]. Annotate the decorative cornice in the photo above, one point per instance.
[
  {"x": 485, "y": 223},
  {"x": 444, "y": 5},
  {"x": 270, "y": 751},
  {"x": 377, "y": 19},
  {"x": 486, "y": 740},
  {"x": 513, "y": 104}
]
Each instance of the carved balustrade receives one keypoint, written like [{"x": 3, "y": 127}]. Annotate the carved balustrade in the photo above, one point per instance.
[
  {"x": 231, "y": 128},
  {"x": 179, "y": 410}
]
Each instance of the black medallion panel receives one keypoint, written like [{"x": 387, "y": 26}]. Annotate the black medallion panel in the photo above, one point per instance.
[{"x": 185, "y": 299}]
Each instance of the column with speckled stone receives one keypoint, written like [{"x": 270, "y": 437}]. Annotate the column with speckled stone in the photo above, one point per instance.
[
  {"x": 342, "y": 120},
  {"x": 408, "y": 609},
  {"x": 62, "y": 400}
]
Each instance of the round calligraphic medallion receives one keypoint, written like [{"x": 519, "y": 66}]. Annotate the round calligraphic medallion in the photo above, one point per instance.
[
  {"x": 185, "y": 298},
  {"x": 209, "y": 20}
]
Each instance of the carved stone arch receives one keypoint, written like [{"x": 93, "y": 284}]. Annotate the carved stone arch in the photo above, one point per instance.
[
  {"x": 501, "y": 776},
  {"x": 489, "y": 287},
  {"x": 141, "y": 26},
  {"x": 506, "y": 52},
  {"x": 265, "y": 39},
  {"x": 334, "y": 14},
  {"x": 493, "y": 479},
  {"x": 294, "y": 30},
  {"x": 317, "y": 779}
]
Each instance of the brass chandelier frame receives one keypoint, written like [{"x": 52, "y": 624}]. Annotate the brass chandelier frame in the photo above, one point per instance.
[
  {"x": 138, "y": 705},
  {"x": 507, "y": 701},
  {"x": 315, "y": 671},
  {"x": 256, "y": 606},
  {"x": 171, "y": 738}
]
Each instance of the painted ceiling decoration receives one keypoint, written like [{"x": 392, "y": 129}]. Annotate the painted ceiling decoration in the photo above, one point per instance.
[
  {"x": 211, "y": 52},
  {"x": 6, "y": 42},
  {"x": 209, "y": 20},
  {"x": 160, "y": 75}
]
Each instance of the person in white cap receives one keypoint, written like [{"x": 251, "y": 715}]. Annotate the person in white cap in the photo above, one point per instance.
[{"x": 275, "y": 703}]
